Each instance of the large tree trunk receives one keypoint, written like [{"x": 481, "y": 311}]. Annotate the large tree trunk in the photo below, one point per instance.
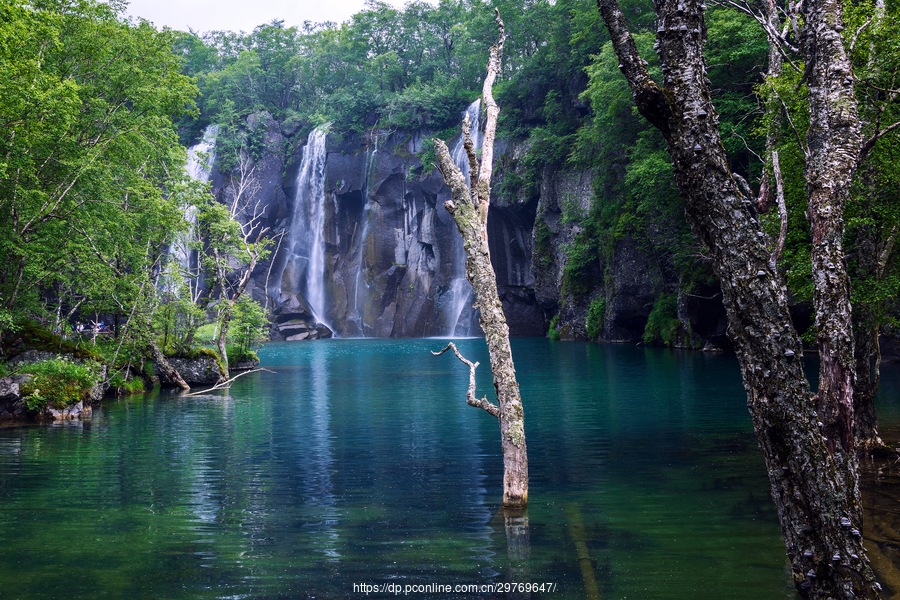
[
  {"x": 813, "y": 479},
  {"x": 469, "y": 208},
  {"x": 833, "y": 142}
]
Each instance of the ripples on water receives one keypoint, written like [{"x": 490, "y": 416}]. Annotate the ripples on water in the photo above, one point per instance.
[{"x": 358, "y": 461}]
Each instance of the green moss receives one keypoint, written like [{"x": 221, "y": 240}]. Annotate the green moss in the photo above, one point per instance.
[
  {"x": 30, "y": 336},
  {"x": 516, "y": 433},
  {"x": 543, "y": 248}
]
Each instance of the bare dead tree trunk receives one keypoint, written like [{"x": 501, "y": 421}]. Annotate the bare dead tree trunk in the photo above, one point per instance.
[
  {"x": 469, "y": 208},
  {"x": 813, "y": 479}
]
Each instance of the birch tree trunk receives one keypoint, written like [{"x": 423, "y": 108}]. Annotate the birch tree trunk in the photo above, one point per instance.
[
  {"x": 469, "y": 208},
  {"x": 812, "y": 473}
]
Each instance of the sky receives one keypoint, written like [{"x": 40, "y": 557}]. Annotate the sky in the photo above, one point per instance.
[{"x": 242, "y": 15}]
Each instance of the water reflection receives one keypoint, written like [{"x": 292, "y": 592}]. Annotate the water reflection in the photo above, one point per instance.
[
  {"x": 316, "y": 458},
  {"x": 358, "y": 460}
]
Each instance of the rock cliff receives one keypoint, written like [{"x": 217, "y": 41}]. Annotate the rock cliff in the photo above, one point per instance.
[{"x": 387, "y": 261}]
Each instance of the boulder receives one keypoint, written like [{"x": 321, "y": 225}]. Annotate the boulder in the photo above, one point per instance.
[
  {"x": 204, "y": 370},
  {"x": 14, "y": 408}
]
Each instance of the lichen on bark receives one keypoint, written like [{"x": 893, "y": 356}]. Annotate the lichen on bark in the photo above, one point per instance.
[{"x": 812, "y": 471}]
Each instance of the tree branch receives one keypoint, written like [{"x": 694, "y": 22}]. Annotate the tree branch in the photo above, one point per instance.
[
  {"x": 471, "y": 400},
  {"x": 227, "y": 382},
  {"x": 648, "y": 95},
  {"x": 782, "y": 212},
  {"x": 870, "y": 143}
]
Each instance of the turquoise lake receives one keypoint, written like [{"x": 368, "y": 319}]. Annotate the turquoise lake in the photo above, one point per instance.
[{"x": 358, "y": 462}]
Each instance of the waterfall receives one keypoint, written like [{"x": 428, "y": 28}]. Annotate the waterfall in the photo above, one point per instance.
[
  {"x": 307, "y": 238},
  {"x": 201, "y": 157},
  {"x": 461, "y": 296},
  {"x": 199, "y": 166}
]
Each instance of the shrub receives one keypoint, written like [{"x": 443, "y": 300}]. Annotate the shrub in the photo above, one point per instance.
[
  {"x": 135, "y": 385},
  {"x": 58, "y": 382},
  {"x": 543, "y": 248},
  {"x": 662, "y": 324},
  {"x": 595, "y": 318},
  {"x": 554, "y": 332},
  {"x": 238, "y": 354}
]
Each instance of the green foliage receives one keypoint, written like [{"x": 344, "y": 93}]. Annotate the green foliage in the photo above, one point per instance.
[
  {"x": 554, "y": 333},
  {"x": 596, "y": 313},
  {"x": 543, "y": 237},
  {"x": 249, "y": 327},
  {"x": 583, "y": 269},
  {"x": 58, "y": 383},
  {"x": 662, "y": 323},
  {"x": 133, "y": 385},
  {"x": 238, "y": 354},
  {"x": 88, "y": 101}
]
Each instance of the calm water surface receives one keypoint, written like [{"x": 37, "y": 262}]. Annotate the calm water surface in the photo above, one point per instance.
[{"x": 358, "y": 462}]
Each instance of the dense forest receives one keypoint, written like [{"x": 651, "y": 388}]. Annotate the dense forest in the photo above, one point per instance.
[{"x": 94, "y": 194}]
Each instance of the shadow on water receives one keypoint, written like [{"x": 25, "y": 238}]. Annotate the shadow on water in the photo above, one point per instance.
[{"x": 358, "y": 462}]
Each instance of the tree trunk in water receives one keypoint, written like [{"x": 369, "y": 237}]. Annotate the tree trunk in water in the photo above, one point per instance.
[
  {"x": 168, "y": 371},
  {"x": 813, "y": 479},
  {"x": 469, "y": 208}
]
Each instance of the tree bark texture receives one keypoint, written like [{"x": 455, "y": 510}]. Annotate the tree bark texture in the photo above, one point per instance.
[
  {"x": 832, "y": 151},
  {"x": 813, "y": 481},
  {"x": 469, "y": 208}
]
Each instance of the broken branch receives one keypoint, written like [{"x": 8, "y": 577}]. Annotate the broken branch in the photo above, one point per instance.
[
  {"x": 227, "y": 383},
  {"x": 471, "y": 400}
]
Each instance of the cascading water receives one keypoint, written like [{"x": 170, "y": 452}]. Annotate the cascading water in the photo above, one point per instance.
[
  {"x": 201, "y": 157},
  {"x": 307, "y": 237},
  {"x": 461, "y": 295}
]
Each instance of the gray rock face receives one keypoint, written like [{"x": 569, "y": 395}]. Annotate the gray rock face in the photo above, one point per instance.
[
  {"x": 393, "y": 260},
  {"x": 636, "y": 284},
  {"x": 392, "y": 253},
  {"x": 12, "y": 406}
]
